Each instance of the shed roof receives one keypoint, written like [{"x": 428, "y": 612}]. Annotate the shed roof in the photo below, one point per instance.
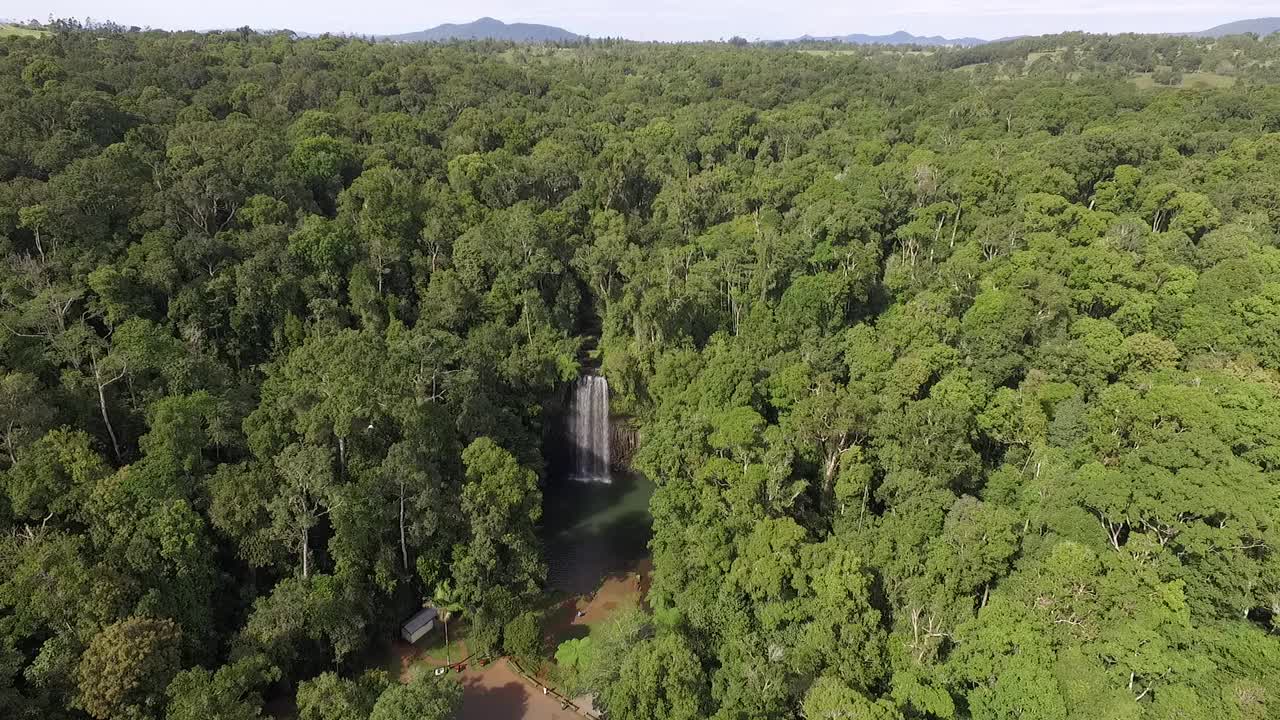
[{"x": 419, "y": 620}]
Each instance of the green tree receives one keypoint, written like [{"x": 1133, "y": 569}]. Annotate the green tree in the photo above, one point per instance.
[
  {"x": 55, "y": 476},
  {"x": 330, "y": 697},
  {"x": 232, "y": 692},
  {"x": 829, "y": 699},
  {"x": 444, "y": 598},
  {"x": 660, "y": 678},
  {"x": 522, "y": 639},
  {"x": 501, "y": 559},
  {"x": 423, "y": 697},
  {"x": 126, "y": 668},
  {"x": 307, "y": 493}
]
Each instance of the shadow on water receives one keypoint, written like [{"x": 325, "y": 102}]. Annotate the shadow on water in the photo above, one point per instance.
[{"x": 593, "y": 530}]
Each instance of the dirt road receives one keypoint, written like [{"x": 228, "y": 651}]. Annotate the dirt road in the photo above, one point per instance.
[{"x": 495, "y": 692}]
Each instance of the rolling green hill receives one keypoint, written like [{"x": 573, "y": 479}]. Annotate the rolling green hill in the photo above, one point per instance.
[{"x": 1259, "y": 26}]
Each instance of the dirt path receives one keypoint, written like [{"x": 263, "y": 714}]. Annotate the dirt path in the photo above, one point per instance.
[
  {"x": 617, "y": 592},
  {"x": 496, "y": 692}
]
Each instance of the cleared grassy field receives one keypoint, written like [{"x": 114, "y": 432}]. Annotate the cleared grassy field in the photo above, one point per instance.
[
  {"x": 1032, "y": 57},
  {"x": 1144, "y": 81},
  {"x": 1208, "y": 79},
  {"x": 15, "y": 31},
  {"x": 861, "y": 51},
  {"x": 829, "y": 53},
  {"x": 538, "y": 54}
]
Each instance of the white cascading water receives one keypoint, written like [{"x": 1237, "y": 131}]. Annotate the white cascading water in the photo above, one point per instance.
[{"x": 589, "y": 429}]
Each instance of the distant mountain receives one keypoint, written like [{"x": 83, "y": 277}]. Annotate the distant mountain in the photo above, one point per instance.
[
  {"x": 899, "y": 38},
  {"x": 487, "y": 28},
  {"x": 1260, "y": 26}
]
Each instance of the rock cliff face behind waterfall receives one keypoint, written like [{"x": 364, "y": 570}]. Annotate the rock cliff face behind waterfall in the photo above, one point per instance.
[{"x": 588, "y": 429}]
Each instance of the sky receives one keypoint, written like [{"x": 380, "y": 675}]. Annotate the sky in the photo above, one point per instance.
[{"x": 669, "y": 19}]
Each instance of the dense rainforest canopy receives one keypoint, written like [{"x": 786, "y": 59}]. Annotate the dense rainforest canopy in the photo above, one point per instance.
[{"x": 957, "y": 372}]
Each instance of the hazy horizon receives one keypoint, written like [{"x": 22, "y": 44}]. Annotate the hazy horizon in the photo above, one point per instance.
[{"x": 668, "y": 19}]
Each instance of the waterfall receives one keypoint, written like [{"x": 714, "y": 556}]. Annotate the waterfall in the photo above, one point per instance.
[{"x": 588, "y": 428}]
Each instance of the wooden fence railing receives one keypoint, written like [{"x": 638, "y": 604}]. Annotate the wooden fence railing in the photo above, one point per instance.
[{"x": 548, "y": 690}]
